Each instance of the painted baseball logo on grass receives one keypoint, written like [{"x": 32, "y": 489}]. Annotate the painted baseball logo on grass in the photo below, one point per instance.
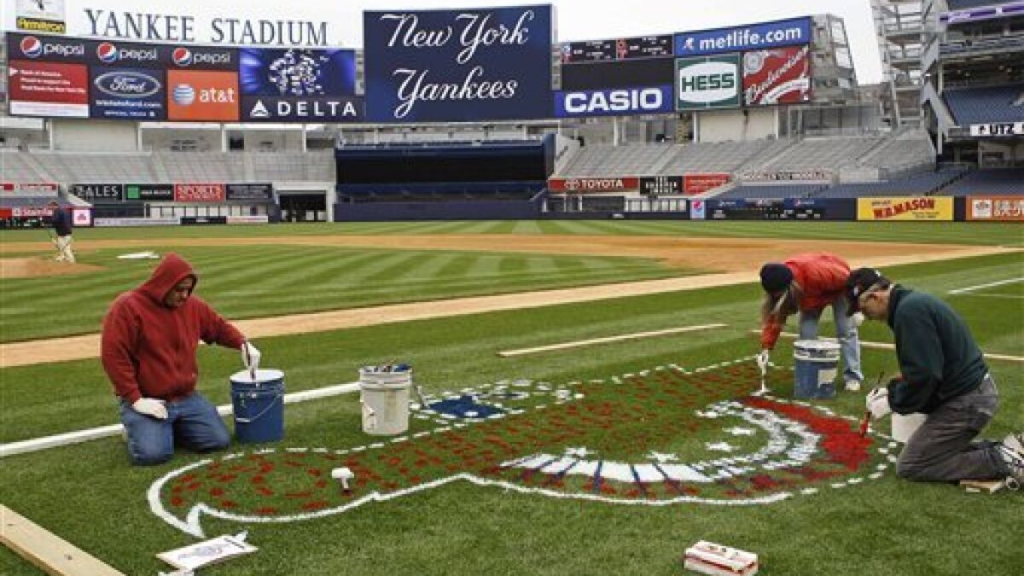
[{"x": 662, "y": 437}]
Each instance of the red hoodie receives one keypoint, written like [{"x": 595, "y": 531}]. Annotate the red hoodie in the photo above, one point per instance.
[
  {"x": 148, "y": 348},
  {"x": 822, "y": 278}
]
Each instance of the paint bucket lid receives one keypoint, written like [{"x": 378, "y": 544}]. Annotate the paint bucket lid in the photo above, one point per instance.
[{"x": 245, "y": 377}]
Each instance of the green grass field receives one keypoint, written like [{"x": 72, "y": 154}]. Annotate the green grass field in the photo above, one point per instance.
[{"x": 90, "y": 495}]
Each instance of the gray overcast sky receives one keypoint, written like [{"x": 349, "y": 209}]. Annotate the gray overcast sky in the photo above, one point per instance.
[{"x": 575, "y": 19}]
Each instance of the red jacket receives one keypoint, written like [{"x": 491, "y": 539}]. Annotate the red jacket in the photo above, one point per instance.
[
  {"x": 822, "y": 279},
  {"x": 148, "y": 348}
]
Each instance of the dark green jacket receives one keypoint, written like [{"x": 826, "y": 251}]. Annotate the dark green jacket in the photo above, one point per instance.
[{"x": 938, "y": 356}]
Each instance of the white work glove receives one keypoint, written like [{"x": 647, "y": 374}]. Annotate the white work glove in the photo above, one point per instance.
[
  {"x": 857, "y": 319},
  {"x": 877, "y": 403},
  {"x": 250, "y": 356},
  {"x": 151, "y": 407},
  {"x": 762, "y": 360}
]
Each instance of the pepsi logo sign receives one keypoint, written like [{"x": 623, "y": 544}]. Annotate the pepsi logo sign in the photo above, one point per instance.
[
  {"x": 106, "y": 52},
  {"x": 31, "y": 47},
  {"x": 182, "y": 56},
  {"x": 127, "y": 84}
]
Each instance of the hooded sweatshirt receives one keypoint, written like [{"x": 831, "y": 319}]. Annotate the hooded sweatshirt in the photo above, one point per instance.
[
  {"x": 822, "y": 279},
  {"x": 148, "y": 348}
]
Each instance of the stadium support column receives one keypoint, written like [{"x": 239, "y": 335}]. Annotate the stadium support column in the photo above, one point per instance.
[
  {"x": 302, "y": 137},
  {"x": 616, "y": 131},
  {"x": 223, "y": 138},
  {"x": 138, "y": 136}
]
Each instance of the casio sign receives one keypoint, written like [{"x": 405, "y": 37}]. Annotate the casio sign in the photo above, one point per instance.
[
  {"x": 708, "y": 82},
  {"x": 632, "y": 100},
  {"x": 127, "y": 84}
]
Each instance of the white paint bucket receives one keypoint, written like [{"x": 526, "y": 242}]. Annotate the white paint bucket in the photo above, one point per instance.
[
  {"x": 816, "y": 364},
  {"x": 385, "y": 400},
  {"x": 904, "y": 425}
]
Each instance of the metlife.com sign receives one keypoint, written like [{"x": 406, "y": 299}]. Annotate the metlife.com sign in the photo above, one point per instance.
[{"x": 790, "y": 32}]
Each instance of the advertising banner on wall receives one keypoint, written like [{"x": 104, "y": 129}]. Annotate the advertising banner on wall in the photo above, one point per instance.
[
  {"x": 995, "y": 208},
  {"x": 617, "y": 49},
  {"x": 149, "y": 192},
  {"x": 48, "y": 89},
  {"x": 98, "y": 193},
  {"x": 261, "y": 192},
  {"x": 127, "y": 94},
  {"x": 661, "y": 185},
  {"x": 41, "y": 16},
  {"x": 997, "y": 129},
  {"x": 708, "y": 82},
  {"x": 202, "y": 96},
  {"x": 47, "y": 48},
  {"x": 81, "y": 217},
  {"x": 777, "y": 76},
  {"x": 775, "y": 34},
  {"x": 614, "y": 102},
  {"x": 458, "y": 65},
  {"x": 299, "y": 85},
  {"x": 918, "y": 208},
  {"x": 700, "y": 183},
  {"x": 201, "y": 58},
  {"x": 198, "y": 192},
  {"x": 585, "y": 185}
]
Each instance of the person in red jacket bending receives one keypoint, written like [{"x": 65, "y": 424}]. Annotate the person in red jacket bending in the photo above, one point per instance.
[
  {"x": 807, "y": 283},
  {"x": 150, "y": 337}
]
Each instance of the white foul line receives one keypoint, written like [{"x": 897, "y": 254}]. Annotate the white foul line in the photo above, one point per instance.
[
  {"x": 886, "y": 346},
  {"x": 619, "y": 338},
  {"x": 990, "y": 285},
  {"x": 78, "y": 436}
]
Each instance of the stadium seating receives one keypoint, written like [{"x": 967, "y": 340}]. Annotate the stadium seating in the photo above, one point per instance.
[
  {"x": 598, "y": 161},
  {"x": 991, "y": 181},
  {"x": 965, "y": 4},
  {"x": 987, "y": 104},
  {"x": 916, "y": 185},
  {"x": 822, "y": 153},
  {"x": 21, "y": 167},
  {"x": 754, "y": 191},
  {"x": 292, "y": 166}
]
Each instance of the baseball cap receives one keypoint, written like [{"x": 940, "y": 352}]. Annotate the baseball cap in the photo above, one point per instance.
[
  {"x": 775, "y": 277},
  {"x": 860, "y": 281}
]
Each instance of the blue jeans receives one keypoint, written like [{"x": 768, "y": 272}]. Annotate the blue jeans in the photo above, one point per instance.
[
  {"x": 846, "y": 333},
  {"x": 192, "y": 421}
]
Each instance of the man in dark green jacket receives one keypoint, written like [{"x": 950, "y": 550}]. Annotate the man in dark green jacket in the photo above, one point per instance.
[{"x": 944, "y": 376}]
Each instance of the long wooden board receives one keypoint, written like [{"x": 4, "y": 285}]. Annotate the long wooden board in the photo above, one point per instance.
[{"x": 46, "y": 550}]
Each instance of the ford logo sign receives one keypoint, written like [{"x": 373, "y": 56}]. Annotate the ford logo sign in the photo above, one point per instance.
[{"x": 127, "y": 84}]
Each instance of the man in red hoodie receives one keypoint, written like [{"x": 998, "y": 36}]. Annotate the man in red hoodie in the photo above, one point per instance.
[
  {"x": 150, "y": 337},
  {"x": 807, "y": 283}
]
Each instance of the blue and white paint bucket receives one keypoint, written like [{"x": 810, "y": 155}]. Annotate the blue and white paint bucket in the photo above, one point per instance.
[
  {"x": 384, "y": 394},
  {"x": 258, "y": 405},
  {"x": 816, "y": 364}
]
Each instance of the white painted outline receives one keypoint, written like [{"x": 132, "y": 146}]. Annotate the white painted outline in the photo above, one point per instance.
[
  {"x": 608, "y": 340},
  {"x": 192, "y": 522},
  {"x": 989, "y": 285}
]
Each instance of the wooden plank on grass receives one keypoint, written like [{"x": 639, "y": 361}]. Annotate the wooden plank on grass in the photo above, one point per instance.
[
  {"x": 619, "y": 338},
  {"x": 887, "y": 346},
  {"x": 46, "y": 550}
]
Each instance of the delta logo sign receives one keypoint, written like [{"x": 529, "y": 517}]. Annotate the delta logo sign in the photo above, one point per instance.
[{"x": 663, "y": 437}]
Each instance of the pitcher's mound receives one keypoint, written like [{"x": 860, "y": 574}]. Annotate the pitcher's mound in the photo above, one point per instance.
[{"x": 36, "y": 268}]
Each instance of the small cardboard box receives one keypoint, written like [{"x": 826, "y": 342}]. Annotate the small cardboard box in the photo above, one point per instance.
[{"x": 718, "y": 560}]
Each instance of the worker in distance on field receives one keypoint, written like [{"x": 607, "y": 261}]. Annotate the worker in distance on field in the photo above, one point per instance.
[
  {"x": 943, "y": 375},
  {"x": 61, "y": 222},
  {"x": 149, "y": 343},
  {"x": 807, "y": 283}
]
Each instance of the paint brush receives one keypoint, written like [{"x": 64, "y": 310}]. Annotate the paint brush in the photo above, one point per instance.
[{"x": 866, "y": 420}]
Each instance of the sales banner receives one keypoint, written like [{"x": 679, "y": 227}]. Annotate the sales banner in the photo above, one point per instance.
[
  {"x": 101, "y": 193},
  {"x": 48, "y": 89},
  {"x": 661, "y": 185},
  {"x": 914, "y": 208},
  {"x": 299, "y": 85},
  {"x": 708, "y": 82},
  {"x": 700, "y": 183},
  {"x": 995, "y": 208},
  {"x": 777, "y": 76},
  {"x": 198, "y": 192},
  {"x": 589, "y": 185},
  {"x": 761, "y": 36},
  {"x": 458, "y": 65},
  {"x": 149, "y": 192},
  {"x": 260, "y": 192}
]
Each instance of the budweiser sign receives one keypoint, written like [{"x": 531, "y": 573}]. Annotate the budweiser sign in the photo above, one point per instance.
[
  {"x": 779, "y": 76},
  {"x": 198, "y": 192},
  {"x": 587, "y": 185}
]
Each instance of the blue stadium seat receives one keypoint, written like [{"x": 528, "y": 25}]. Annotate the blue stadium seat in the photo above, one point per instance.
[{"x": 985, "y": 105}]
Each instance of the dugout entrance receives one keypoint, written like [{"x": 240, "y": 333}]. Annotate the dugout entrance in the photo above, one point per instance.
[{"x": 304, "y": 206}]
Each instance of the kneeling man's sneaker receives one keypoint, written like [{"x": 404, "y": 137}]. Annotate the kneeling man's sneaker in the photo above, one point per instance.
[
  {"x": 852, "y": 386},
  {"x": 1012, "y": 451}
]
